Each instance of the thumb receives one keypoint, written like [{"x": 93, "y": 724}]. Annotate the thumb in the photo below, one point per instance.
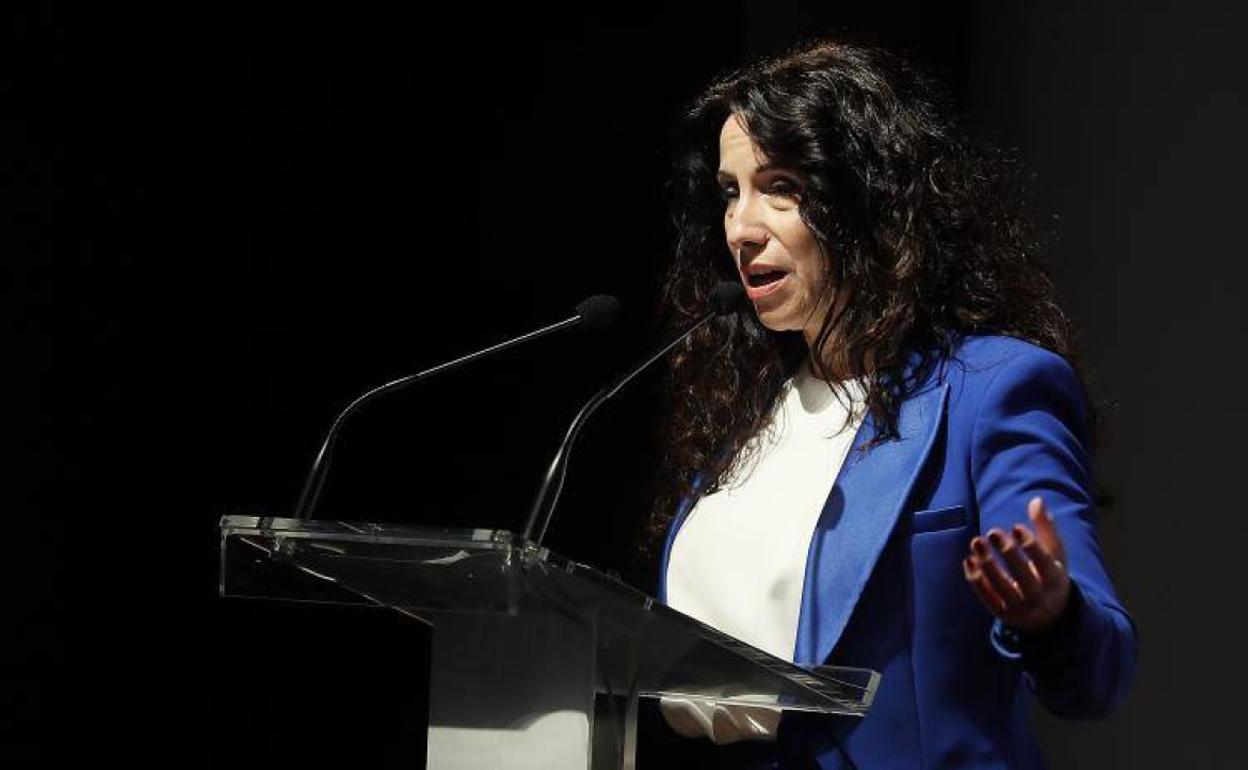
[{"x": 1046, "y": 529}]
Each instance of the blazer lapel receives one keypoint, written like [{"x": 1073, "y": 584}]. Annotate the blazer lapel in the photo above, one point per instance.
[
  {"x": 682, "y": 510},
  {"x": 857, "y": 520}
]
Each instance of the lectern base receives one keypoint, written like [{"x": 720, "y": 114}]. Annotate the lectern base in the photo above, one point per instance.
[{"x": 530, "y": 706}]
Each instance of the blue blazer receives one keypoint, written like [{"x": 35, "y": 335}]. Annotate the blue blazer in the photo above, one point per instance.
[{"x": 1000, "y": 422}]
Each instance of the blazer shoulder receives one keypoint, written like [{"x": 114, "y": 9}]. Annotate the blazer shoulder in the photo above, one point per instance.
[
  {"x": 980, "y": 359},
  {"x": 990, "y": 351},
  {"x": 996, "y": 363}
]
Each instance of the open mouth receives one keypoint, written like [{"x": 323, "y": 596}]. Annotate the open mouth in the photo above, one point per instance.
[{"x": 759, "y": 280}]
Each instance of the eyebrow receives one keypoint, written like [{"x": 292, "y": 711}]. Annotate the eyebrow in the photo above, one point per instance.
[{"x": 763, "y": 169}]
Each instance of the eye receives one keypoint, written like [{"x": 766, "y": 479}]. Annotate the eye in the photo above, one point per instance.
[
  {"x": 728, "y": 192},
  {"x": 784, "y": 187}
]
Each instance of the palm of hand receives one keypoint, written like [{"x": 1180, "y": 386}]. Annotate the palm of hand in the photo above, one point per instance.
[{"x": 1025, "y": 583}]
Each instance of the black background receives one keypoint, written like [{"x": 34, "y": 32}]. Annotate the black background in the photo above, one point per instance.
[{"x": 227, "y": 219}]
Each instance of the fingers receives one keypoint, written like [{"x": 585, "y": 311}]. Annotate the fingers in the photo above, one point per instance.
[
  {"x": 981, "y": 587},
  {"x": 687, "y": 717},
  {"x": 1014, "y": 551},
  {"x": 1015, "y": 578},
  {"x": 732, "y": 723},
  {"x": 721, "y": 723},
  {"x": 1005, "y": 585},
  {"x": 1020, "y": 577},
  {"x": 1048, "y": 568}
]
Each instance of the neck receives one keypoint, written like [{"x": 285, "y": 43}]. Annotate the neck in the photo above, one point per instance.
[
  {"x": 828, "y": 364},
  {"x": 832, "y": 365}
]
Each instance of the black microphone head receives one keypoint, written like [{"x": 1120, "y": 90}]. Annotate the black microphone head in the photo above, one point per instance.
[
  {"x": 598, "y": 311},
  {"x": 726, "y": 297}
]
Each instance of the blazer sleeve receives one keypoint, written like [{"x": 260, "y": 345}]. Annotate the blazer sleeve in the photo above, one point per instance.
[{"x": 1030, "y": 439}]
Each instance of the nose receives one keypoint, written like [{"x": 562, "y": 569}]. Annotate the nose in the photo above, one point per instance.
[{"x": 746, "y": 234}]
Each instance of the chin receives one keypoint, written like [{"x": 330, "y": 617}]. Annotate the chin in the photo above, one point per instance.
[{"x": 778, "y": 322}]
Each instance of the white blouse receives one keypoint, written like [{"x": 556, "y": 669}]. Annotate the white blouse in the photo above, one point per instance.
[{"x": 738, "y": 562}]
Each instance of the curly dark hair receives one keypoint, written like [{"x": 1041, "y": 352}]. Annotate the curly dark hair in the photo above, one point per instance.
[{"x": 924, "y": 228}]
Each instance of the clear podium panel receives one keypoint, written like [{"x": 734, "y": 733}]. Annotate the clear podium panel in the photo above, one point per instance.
[
  {"x": 514, "y": 691},
  {"x": 641, "y": 646}
]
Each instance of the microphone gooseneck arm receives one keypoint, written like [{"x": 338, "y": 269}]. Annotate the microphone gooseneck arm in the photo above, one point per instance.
[
  {"x": 552, "y": 484},
  {"x": 320, "y": 467}
]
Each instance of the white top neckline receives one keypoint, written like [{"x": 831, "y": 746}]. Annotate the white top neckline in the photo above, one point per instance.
[{"x": 738, "y": 561}]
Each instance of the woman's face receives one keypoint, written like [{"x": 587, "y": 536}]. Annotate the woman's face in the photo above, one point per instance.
[{"x": 777, "y": 256}]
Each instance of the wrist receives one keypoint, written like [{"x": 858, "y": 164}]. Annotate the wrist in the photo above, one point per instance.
[{"x": 1049, "y": 641}]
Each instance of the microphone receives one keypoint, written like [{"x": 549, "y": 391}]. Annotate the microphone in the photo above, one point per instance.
[
  {"x": 725, "y": 297},
  {"x": 596, "y": 312}
]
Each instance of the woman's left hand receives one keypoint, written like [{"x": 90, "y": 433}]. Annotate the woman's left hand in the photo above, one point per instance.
[{"x": 1026, "y": 585}]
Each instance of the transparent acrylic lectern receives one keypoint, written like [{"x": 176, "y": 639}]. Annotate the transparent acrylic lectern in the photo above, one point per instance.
[{"x": 536, "y": 661}]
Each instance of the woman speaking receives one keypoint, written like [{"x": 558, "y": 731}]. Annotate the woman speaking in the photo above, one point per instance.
[{"x": 884, "y": 460}]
